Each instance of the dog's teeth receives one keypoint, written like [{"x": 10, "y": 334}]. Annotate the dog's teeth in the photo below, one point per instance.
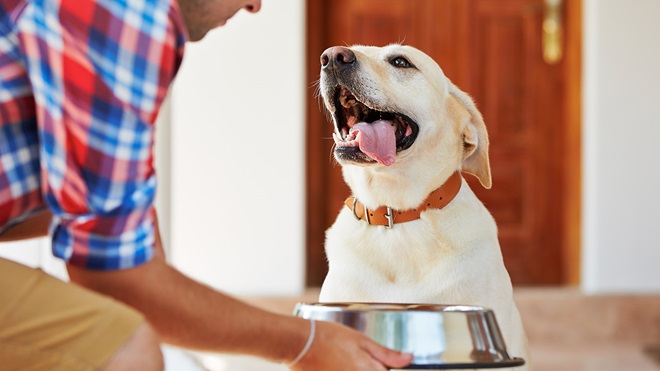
[{"x": 350, "y": 102}]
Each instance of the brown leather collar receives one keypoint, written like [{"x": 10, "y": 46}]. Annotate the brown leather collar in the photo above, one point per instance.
[{"x": 387, "y": 216}]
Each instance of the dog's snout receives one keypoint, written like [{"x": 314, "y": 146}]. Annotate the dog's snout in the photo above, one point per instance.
[{"x": 337, "y": 57}]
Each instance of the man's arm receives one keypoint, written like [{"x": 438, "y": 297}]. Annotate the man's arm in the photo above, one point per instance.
[
  {"x": 189, "y": 314},
  {"x": 192, "y": 315},
  {"x": 33, "y": 227}
]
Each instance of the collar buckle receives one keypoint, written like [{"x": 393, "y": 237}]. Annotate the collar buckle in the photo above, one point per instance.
[
  {"x": 389, "y": 217},
  {"x": 366, "y": 211}
]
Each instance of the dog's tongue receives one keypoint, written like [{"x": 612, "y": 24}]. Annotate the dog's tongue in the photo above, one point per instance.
[{"x": 378, "y": 140}]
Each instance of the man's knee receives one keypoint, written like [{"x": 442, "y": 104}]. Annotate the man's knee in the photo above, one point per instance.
[{"x": 140, "y": 352}]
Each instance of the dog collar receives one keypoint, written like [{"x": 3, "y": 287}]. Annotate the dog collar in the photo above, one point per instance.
[{"x": 387, "y": 216}]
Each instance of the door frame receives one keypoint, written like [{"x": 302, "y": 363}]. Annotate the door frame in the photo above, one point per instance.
[{"x": 573, "y": 143}]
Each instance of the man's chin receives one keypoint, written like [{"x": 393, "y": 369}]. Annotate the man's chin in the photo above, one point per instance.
[{"x": 197, "y": 35}]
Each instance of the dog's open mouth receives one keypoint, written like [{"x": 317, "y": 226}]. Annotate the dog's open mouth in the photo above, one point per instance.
[{"x": 364, "y": 134}]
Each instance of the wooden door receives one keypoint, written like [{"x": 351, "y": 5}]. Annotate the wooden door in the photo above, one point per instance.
[{"x": 492, "y": 49}]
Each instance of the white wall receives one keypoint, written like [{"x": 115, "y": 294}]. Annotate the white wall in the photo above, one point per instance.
[
  {"x": 237, "y": 176},
  {"x": 621, "y": 247}
]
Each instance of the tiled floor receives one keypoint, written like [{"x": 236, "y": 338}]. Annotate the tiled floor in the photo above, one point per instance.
[
  {"x": 622, "y": 357},
  {"x": 544, "y": 358},
  {"x": 567, "y": 331},
  {"x": 571, "y": 331}
]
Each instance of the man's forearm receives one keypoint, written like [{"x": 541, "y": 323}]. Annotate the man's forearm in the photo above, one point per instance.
[
  {"x": 33, "y": 227},
  {"x": 189, "y": 314}
]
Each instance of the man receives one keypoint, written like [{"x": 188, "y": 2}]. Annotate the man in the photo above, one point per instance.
[{"x": 81, "y": 82}]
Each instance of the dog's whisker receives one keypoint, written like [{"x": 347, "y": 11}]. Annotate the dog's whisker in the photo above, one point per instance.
[
  {"x": 317, "y": 87},
  {"x": 317, "y": 93},
  {"x": 332, "y": 158}
]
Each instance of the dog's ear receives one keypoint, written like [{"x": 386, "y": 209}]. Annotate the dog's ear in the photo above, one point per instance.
[{"x": 475, "y": 140}]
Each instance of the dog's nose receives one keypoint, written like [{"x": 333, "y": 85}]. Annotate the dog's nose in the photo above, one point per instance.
[{"x": 338, "y": 57}]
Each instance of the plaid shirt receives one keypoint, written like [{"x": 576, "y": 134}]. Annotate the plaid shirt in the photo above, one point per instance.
[{"x": 81, "y": 83}]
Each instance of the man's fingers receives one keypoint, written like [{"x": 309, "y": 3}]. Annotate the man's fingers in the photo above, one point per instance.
[{"x": 388, "y": 357}]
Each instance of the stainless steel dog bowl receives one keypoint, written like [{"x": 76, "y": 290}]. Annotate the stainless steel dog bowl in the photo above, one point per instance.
[{"x": 440, "y": 337}]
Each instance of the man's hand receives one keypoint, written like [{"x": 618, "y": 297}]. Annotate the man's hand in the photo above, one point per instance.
[{"x": 337, "y": 347}]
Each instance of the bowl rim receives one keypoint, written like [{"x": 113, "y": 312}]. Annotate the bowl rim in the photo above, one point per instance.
[
  {"x": 357, "y": 307},
  {"x": 506, "y": 363}
]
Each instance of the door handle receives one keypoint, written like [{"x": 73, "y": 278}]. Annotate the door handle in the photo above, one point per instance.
[{"x": 553, "y": 49}]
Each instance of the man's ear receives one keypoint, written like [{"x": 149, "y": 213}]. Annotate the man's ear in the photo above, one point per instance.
[{"x": 475, "y": 140}]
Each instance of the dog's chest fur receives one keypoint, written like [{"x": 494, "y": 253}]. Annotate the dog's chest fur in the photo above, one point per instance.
[
  {"x": 449, "y": 256},
  {"x": 441, "y": 258}
]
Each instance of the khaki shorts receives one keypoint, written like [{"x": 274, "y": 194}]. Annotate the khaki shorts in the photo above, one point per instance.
[{"x": 47, "y": 324}]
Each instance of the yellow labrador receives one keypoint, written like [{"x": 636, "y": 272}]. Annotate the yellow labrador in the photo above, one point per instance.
[{"x": 413, "y": 232}]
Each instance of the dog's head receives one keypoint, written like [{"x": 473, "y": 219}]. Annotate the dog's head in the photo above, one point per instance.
[{"x": 397, "y": 116}]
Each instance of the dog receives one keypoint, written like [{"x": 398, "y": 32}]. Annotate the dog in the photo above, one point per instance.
[{"x": 413, "y": 231}]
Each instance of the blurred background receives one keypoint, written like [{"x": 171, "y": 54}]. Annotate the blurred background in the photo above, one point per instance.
[{"x": 569, "y": 90}]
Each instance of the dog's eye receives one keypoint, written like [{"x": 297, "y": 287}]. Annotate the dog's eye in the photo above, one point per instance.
[{"x": 400, "y": 62}]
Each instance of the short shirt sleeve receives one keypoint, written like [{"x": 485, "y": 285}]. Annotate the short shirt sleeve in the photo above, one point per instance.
[{"x": 100, "y": 71}]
